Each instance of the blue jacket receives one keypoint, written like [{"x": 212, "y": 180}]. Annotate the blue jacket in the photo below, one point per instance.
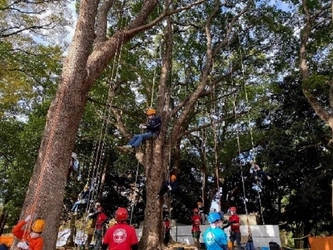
[{"x": 215, "y": 239}]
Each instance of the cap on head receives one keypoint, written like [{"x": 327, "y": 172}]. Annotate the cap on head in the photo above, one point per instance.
[
  {"x": 214, "y": 217},
  {"x": 38, "y": 226},
  {"x": 233, "y": 209},
  {"x": 151, "y": 111},
  {"x": 97, "y": 204},
  {"x": 121, "y": 214}
]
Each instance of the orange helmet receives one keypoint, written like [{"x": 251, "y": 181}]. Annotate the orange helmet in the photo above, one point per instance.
[
  {"x": 173, "y": 178},
  {"x": 151, "y": 111},
  {"x": 38, "y": 226},
  {"x": 121, "y": 214}
]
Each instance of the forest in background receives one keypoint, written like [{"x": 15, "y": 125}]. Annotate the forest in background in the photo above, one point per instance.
[{"x": 267, "y": 95}]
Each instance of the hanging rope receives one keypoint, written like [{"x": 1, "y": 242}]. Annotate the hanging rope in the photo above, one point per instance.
[{"x": 133, "y": 199}]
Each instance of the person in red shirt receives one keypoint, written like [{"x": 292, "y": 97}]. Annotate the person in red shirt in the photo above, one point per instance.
[
  {"x": 234, "y": 221},
  {"x": 30, "y": 239},
  {"x": 196, "y": 231},
  {"x": 101, "y": 219},
  {"x": 166, "y": 229},
  {"x": 120, "y": 236}
]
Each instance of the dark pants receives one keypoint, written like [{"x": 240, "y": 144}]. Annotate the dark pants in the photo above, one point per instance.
[
  {"x": 166, "y": 237},
  {"x": 236, "y": 236}
]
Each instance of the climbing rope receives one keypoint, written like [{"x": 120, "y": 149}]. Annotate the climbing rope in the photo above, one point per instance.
[{"x": 133, "y": 198}]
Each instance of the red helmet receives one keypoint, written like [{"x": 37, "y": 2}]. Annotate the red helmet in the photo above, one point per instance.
[
  {"x": 121, "y": 214},
  {"x": 195, "y": 210},
  {"x": 233, "y": 209}
]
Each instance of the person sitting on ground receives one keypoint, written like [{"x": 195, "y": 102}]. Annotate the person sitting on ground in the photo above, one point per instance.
[
  {"x": 171, "y": 186},
  {"x": 121, "y": 236},
  {"x": 152, "y": 128},
  {"x": 30, "y": 239},
  {"x": 82, "y": 198}
]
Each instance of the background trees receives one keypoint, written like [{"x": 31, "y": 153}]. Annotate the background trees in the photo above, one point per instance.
[{"x": 224, "y": 79}]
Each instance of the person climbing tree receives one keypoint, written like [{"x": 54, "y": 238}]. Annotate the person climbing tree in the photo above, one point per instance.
[
  {"x": 101, "y": 219},
  {"x": 258, "y": 175},
  {"x": 171, "y": 186},
  {"x": 214, "y": 237},
  {"x": 235, "y": 234},
  {"x": 196, "y": 231},
  {"x": 166, "y": 229},
  {"x": 121, "y": 236},
  {"x": 30, "y": 239},
  {"x": 82, "y": 198},
  {"x": 152, "y": 128},
  {"x": 73, "y": 165}
]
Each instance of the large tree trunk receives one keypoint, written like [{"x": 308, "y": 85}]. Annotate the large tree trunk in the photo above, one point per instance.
[{"x": 82, "y": 67}]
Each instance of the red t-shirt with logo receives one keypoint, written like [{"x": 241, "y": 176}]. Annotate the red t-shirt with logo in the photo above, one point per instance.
[
  {"x": 235, "y": 225},
  {"x": 120, "y": 237},
  {"x": 196, "y": 222}
]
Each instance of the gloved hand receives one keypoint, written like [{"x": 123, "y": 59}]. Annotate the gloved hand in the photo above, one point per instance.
[
  {"x": 91, "y": 214},
  {"x": 27, "y": 218},
  {"x": 142, "y": 126},
  {"x": 23, "y": 245},
  {"x": 169, "y": 187}
]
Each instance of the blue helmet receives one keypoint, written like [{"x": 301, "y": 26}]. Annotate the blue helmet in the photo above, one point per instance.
[{"x": 213, "y": 217}]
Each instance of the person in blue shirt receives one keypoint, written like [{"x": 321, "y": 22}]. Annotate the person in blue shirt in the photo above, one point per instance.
[
  {"x": 152, "y": 128},
  {"x": 214, "y": 237}
]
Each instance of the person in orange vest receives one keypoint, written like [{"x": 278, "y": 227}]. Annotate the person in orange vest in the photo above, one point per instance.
[
  {"x": 121, "y": 236},
  {"x": 196, "y": 231},
  {"x": 152, "y": 128},
  {"x": 235, "y": 234},
  {"x": 30, "y": 238}
]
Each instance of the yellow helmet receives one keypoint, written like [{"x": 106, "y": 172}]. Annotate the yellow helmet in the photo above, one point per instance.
[
  {"x": 38, "y": 226},
  {"x": 151, "y": 111}
]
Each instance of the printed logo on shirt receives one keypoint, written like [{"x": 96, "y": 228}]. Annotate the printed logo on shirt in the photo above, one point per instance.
[
  {"x": 210, "y": 239},
  {"x": 119, "y": 235}
]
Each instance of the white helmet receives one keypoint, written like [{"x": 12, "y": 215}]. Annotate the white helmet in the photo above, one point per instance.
[{"x": 74, "y": 155}]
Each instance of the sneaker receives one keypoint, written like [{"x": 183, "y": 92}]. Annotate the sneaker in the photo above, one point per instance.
[{"x": 126, "y": 148}]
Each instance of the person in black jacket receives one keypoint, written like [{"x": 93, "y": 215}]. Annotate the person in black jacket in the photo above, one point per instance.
[
  {"x": 171, "y": 186},
  {"x": 82, "y": 198},
  {"x": 152, "y": 128}
]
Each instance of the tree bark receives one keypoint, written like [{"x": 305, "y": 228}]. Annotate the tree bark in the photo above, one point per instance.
[{"x": 81, "y": 68}]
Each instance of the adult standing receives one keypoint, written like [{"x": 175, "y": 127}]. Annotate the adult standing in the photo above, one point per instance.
[
  {"x": 214, "y": 237},
  {"x": 120, "y": 236},
  {"x": 101, "y": 219},
  {"x": 235, "y": 234}
]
